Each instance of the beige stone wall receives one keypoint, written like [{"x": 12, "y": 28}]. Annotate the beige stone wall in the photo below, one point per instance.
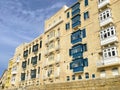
[{"x": 93, "y": 84}]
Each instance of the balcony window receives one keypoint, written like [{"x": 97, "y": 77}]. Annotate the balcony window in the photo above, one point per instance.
[
  {"x": 86, "y": 15},
  {"x": 77, "y": 50},
  {"x": 22, "y": 76},
  {"x": 77, "y": 36},
  {"x": 24, "y": 64},
  {"x": 86, "y": 2},
  {"x": 68, "y": 78},
  {"x": 105, "y": 15},
  {"x": 76, "y": 9},
  {"x": 40, "y": 44},
  {"x": 67, "y": 26},
  {"x": 35, "y": 48},
  {"x": 33, "y": 73},
  {"x": 108, "y": 32},
  {"x": 34, "y": 60},
  {"x": 76, "y": 21},
  {"x": 25, "y": 54},
  {"x": 109, "y": 52}
]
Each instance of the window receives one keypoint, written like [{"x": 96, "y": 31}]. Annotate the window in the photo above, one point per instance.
[
  {"x": 24, "y": 64},
  {"x": 22, "y": 76},
  {"x": 33, "y": 73},
  {"x": 68, "y": 14},
  {"x": 93, "y": 75},
  {"x": 25, "y": 54},
  {"x": 115, "y": 71},
  {"x": 51, "y": 34},
  {"x": 110, "y": 52},
  {"x": 102, "y": 73},
  {"x": 29, "y": 50},
  {"x": 86, "y": 2},
  {"x": 108, "y": 32},
  {"x": 28, "y": 61},
  {"x": 50, "y": 72},
  {"x": 35, "y": 48},
  {"x": 73, "y": 77},
  {"x": 51, "y": 45},
  {"x": 51, "y": 57},
  {"x": 87, "y": 75},
  {"x": 67, "y": 26},
  {"x": 40, "y": 44},
  {"x": 34, "y": 60},
  {"x": 39, "y": 56},
  {"x": 38, "y": 70},
  {"x": 105, "y": 15},
  {"x": 79, "y": 77},
  {"x": 68, "y": 78},
  {"x": 86, "y": 15}
]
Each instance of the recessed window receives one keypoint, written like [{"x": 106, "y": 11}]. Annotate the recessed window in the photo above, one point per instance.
[
  {"x": 79, "y": 77},
  {"x": 87, "y": 75},
  {"x": 73, "y": 77},
  {"x": 86, "y": 15},
  {"x": 93, "y": 75},
  {"x": 39, "y": 56},
  {"x": 68, "y": 78},
  {"x": 68, "y": 14},
  {"x": 86, "y": 2},
  {"x": 40, "y": 44},
  {"x": 67, "y": 26}
]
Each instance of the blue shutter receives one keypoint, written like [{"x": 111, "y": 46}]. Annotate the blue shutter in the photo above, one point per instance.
[
  {"x": 84, "y": 47},
  {"x": 83, "y": 33},
  {"x": 86, "y": 62}
]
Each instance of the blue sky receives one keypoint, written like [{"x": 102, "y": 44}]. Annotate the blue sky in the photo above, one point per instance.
[{"x": 22, "y": 21}]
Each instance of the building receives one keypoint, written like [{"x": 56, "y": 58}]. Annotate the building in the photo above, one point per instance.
[
  {"x": 3, "y": 79},
  {"x": 79, "y": 42}
]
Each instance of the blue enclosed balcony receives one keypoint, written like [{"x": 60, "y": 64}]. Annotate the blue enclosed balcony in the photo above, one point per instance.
[
  {"x": 75, "y": 24},
  {"x": 75, "y": 12},
  {"x": 78, "y": 69}
]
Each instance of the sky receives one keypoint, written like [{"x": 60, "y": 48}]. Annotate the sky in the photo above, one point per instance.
[{"x": 22, "y": 21}]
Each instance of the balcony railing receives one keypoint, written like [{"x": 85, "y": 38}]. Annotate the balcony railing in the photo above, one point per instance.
[
  {"x": 78, "y": 69},
  {"x": 109, "y": 40},
  {"x": 103, "y": 3},
  {"x": 106, "y": 21},
  {"x": 54, "y": 24},
  {"x": 112, "y": 61},
  {"x": 57, "y": 74}
]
